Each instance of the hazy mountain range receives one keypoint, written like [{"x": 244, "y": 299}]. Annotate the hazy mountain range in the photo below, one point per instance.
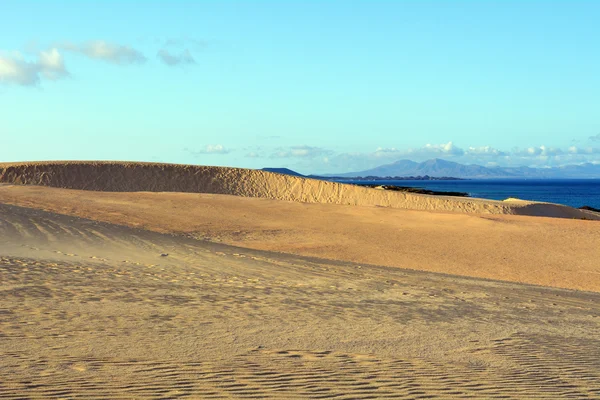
[
  {"x": 443, "y": 168},
  {"x": 438, "y": 168}
]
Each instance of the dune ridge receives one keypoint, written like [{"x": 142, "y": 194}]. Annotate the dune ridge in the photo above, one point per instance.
[{"x": 116, "y": 176}]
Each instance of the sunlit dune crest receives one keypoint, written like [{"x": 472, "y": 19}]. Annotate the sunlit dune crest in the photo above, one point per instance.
[{"x": 154, "y": 177}]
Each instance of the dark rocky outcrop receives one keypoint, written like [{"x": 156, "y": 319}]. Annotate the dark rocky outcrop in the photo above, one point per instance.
[
  {"x": 418, "y": 190},
  {"x": 588, "y": 208}
]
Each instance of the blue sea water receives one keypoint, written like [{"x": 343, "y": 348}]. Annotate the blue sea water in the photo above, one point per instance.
[{"x": 570, "y": 192}]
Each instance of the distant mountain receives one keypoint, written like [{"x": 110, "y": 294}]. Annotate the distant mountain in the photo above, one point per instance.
[
  {"x": 284, "y": 171},
  {"x": 387, "y": 170},
  {"x": 443, "y": 168}
]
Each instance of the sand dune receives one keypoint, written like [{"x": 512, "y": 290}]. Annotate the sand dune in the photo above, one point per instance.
[
  {"x": 152, "y": 177},
  {"x": 545, "y": 251},
  {"x": 91, "y": 310},
  {"x": 122, "y": 290}
]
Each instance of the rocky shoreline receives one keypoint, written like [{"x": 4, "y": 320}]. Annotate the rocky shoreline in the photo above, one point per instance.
[{"x": 417, "y": 190}]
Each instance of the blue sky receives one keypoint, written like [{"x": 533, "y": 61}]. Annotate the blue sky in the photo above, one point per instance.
[{"x": 319, "y": 86}]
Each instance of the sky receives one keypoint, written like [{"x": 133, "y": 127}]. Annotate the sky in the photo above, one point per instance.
[{"x": 316, "y": 86}]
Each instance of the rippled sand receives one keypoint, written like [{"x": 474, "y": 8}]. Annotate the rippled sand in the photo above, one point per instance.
[{"x": 89, "y": 309}]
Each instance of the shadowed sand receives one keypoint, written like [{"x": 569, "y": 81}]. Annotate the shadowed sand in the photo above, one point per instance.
[
  {"x": 91, "y": 310},
  {"x": 545, "y": 251}
]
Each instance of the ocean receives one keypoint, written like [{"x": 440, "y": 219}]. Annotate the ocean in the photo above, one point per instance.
[{"x": 570, "y": 192}]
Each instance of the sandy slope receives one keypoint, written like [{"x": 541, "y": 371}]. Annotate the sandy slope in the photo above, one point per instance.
[
  {"x": 89, "y": 307},
  {"x": 131, "y": 177},
  {"x": 545, "y": 251},
  {"x": 91, "y": 310}
]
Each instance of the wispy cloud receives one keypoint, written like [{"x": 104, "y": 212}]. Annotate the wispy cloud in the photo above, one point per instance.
[
  {"x": 104, "y": 51},
  {"x": 540, "y": 151},
  {"x": 52, "y": 64},
  {"x": 431, "y": 150},
  {"x": 178, "y": 50},
  {"x": 49, "y": 64},
  {"x": 15, "y": 69},
  {"x": 183, "y": 58},
  {"x": 595, "y": 138},
  {"x": 301, "y": 152},
  {"x": 584, "y": 150},
  {"x": 485, "y": 151},
  {"x": 384, "y": 152},
  {"x": 210, "y": 149}
]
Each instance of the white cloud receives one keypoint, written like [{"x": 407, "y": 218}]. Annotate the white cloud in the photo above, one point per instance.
[
  {"x": 545, "y": 156},
  {"x": 584, "y": 150},
  {"x": 538, "y": 156},
  {"x": 184, "y": 58},
  {"x": 213, "y": 149},
  {"x": 541, "y": 151},
  {"x": 15, "y": 69},
  {"x": 109, "y": 52},
  {"x": 427, "y": 151},
  {"x": 52, "y": 64},
  {"x": 450, "y": 150},
  {"x": 485, "y": 151},
  {"x": 445, "y": 148}
]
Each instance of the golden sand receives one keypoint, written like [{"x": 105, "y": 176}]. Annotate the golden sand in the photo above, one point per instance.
[
  {"x": 121, "y": 295},
  {"x": 538, "y": 250}
]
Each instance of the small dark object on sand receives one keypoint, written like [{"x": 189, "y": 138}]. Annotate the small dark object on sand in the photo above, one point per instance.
[{"x": 164, "y": 254}]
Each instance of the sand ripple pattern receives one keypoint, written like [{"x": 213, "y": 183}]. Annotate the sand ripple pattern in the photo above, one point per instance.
[
  {"x": 91, "y": 311},
  {"x": 153, "y": 177},
  {"x": 304, "y": 374}
]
